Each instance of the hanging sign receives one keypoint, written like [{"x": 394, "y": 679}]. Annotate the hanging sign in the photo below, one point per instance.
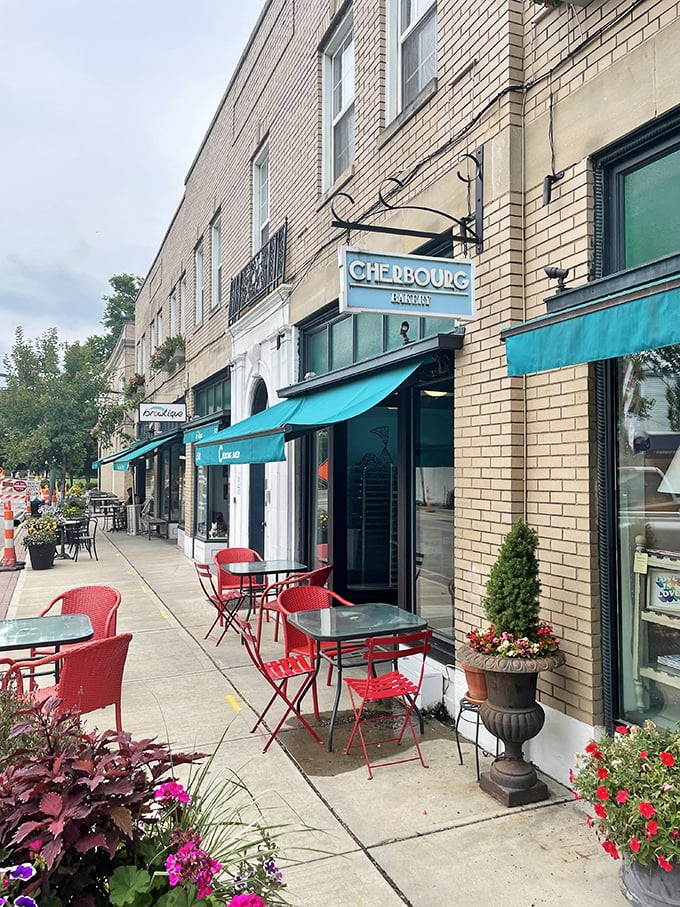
[
  {"x": 406, "y": 284},
  {"x": 162, "y": 412}
]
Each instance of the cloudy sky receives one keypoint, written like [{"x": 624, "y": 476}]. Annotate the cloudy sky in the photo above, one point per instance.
[{"x": 103, "y": 105}]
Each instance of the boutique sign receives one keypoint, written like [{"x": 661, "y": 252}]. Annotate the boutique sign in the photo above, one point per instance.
[
  {"x": 162, "y": 412},
  {"x": 406, "y": 284}
]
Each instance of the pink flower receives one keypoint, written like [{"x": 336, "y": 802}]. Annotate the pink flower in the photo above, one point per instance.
[
  {"x": 664, "y": 864},
  {"x": 246, "y": 900},
  {"x": 171, "y": 790},
  {"x": 603, "y": 794},
  {"x": 622, "y": 796},
  {"x": 646, "y": 809},
  {"x": 667, "y": 758}
]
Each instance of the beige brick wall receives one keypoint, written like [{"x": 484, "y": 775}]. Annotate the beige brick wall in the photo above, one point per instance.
[{"x": 524, "y": 446}]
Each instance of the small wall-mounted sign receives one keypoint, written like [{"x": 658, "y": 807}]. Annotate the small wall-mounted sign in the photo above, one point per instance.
[
  {"x": 162, "y": 412},
  {"x": 406, "y": 284}
]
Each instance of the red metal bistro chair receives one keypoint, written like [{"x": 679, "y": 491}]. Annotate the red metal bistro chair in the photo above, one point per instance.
[
  {"x": 269, "y": 601},
  {"x": 90, "y": 675},
  {"x": 277, "y": 673},
  {"x": 226, "y": 605},
  {"x": 226, "y": 583},
  {"x": 392, "y": 685}
]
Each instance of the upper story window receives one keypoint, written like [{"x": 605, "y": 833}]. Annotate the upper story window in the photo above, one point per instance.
[
  {"x": 216, "y": 296},
  {"x": 141, "y": 355},
  {"x": 338, "y": 80},
  {"x": 183, "y": 305},
  {"x": 200, "y": 283},
  {"x": 173, "y": 313},
  {"x": 159, "y": 327},
  {"x": 412, "y": 50},
  {"x": 261, "y": 198},
  {"x": 152, "y": 336},
  {"x": 214, "y": 397}
]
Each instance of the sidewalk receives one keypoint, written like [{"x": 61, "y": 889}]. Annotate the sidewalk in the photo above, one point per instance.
[{"x": 410, "y": 836}]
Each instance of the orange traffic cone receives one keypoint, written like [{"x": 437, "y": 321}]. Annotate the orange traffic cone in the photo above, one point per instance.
[
  {"x": 9, "y": 558},
  {"x": 54, "y": 495},
  {"x": 45, "y": 495},
  {"x": 28, "y": 504}
]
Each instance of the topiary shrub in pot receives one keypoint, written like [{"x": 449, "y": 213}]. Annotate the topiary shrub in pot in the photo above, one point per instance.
[{"x": 512, "y": 651}]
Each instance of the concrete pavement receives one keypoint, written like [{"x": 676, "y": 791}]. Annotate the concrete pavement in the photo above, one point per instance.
[{"x": 410, "y": 836}]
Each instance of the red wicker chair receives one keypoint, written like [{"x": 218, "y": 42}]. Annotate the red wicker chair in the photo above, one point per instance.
[
  {"x": 277, "y": 674},
  {"x": 100, "y": 603},
  {"x": 393, "y": 685},
  {"x": 226, "y": 605},
  {"x": 90, "y": 675}
]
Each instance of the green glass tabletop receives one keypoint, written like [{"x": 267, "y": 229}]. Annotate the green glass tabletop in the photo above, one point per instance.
[
  {"x": 254, "y": 568},
  {"x": 51, "y": 630},
  {"x": 355, "y": 622}
]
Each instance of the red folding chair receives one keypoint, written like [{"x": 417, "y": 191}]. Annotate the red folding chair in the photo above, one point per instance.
[
  {"x": 226, "y": 583},
  {"x": 269, "y": 601},
  {"x": 90, "y": 675},
  {"x": 394, "y": 685},
  {"x": 277, "y": 673},
  {"x": 309, "y": 598},
  {"x": 226, "y": 605}
]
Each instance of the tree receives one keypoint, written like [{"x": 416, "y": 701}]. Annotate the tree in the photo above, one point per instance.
[{"x": 120, "y": 306}]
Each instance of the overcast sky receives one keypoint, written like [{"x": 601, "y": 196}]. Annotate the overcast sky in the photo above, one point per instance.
[{"x": 103, "y": 104}]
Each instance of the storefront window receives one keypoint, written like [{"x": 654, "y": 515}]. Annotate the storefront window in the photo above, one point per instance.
[
  {"x": 212, "y": 502},
  {"x": 649, "y": 534},
  {"x": 202, "y": 501},
  {"x": 434, "y": 506},
  {"x": 320, "y": 499},
  {"x": 372, "y": 526}
]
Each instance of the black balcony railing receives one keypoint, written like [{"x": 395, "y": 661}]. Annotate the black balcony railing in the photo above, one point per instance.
[{"x": 264, "y": 271}]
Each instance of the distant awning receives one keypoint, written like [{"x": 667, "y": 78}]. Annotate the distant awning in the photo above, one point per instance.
[
  {"x": 260, "y": 438},
  {"x": 201, "y": 433},
  {"x": 612, "y": 324},
  {"x": 122, "y": 462}
]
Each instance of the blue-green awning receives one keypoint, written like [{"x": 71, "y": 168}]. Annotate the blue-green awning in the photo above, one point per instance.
[
  {"x": 122, "y": 462},
  {"x": 260, "y": 438},
  {"x": 201, "y": 433},
  {"x": 644, "y": 318},
  {"x": 95, "y": 464}
]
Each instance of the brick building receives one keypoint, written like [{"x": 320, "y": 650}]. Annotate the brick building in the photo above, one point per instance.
[{"x": 551, "y": 136}]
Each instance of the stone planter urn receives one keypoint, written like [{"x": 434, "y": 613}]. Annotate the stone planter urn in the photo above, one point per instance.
[
  {"x": 42, "y": 556},
  {"x": 511, "y": 713},
  {"x": 650, "y": 886}
]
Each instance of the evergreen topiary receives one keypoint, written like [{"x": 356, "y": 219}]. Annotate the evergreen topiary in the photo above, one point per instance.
[{"x": 512, "y": 590}]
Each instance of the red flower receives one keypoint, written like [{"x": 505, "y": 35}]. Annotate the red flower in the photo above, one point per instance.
[
  {"x": 621, "y": 729},
  {"x": 646, "y": 809},
  {"x": 589, "y": 821},
  {"x": 667, "y": 758},
  {"x": 664, "y": 864},
  {"x": 602, "y": 773},
  {"x": 603, "y": 794},
  {"x": 643, "y": 754},
  {"x": 622, "y": 796},
  {"x": 591, "y": 747},
  {"x": 634, "y": 844},
  {"x": 600, "y": 811},
  {"x": 675, "y": 833},
  {"x": 652, "y": 826},
  {"x": 610, "y": 848}
]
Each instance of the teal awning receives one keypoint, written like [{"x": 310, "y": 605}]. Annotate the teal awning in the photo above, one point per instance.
[
  {"x": 122, "y": 462},
  {"x": 201, "y": 433},
  {"x": 266, "y": 432},
  {"x": 95, "y": 464},
  {"x": 643, "y": 318}
]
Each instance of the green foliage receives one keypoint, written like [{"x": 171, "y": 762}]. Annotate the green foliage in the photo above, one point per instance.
[
  {"x": 42, "y": 530},
  {"x": 164, "y": 353},
  {"x": 119, "y": 308},
  {"x": 512, "y": 589}
]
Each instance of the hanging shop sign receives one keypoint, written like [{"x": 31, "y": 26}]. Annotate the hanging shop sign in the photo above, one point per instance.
[
  {"x": 162, "y": 412},
  {"x": 406, "y": 284}
]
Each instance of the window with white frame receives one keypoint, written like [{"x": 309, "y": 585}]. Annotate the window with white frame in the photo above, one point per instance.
[
  {"x": 412, "y": 33},
  {"x": 183, "y": 305},
  {"x": 261, "y": 199},
  {"x": 216, "y": 295},
  {"x": 200, "y": 283},
  {"x": 159, "y": 327},
  {"x": 152, "y": 336},
  {"x": 141, "y": 357},
  {"x": 173, "y": 313},
  {"x": 338, "y": 82}
]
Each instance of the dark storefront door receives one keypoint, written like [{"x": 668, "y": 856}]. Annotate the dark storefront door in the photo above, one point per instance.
[{"x": 256, "y": 516}]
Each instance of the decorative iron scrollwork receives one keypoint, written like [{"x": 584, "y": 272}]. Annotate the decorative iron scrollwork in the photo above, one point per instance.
[{"x": 468, "y": 229}]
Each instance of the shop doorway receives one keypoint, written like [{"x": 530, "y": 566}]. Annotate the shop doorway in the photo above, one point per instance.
[{"x": 256, "y": 514}]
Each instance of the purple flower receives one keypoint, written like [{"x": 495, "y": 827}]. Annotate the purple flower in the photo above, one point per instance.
[
  {"x": 23, "y": 871},
  {"x": 24, "y": 901}
]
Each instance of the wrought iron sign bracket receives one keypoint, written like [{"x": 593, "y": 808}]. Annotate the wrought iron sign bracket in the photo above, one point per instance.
[{"x": 467, "y": 230}]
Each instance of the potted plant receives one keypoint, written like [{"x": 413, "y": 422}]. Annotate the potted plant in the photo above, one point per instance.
[
  {"x": 512, "y": 650},
  {"x": 134, "y": 386},
  {"x": 632, "y": 779},
  {"x": 170, "y": 352},
  {"x": 42, "y": 535}
]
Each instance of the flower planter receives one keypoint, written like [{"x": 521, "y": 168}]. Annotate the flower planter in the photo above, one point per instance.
[
  {"x": 650, "y": 886},
  {"x": 42, "y": 556},
  {"x": 511, "y": 713},
  {"x": 476, "y": 681}
]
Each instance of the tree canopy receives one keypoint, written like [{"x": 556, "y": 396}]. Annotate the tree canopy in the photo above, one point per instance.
[{"x": 120, "y": 307}]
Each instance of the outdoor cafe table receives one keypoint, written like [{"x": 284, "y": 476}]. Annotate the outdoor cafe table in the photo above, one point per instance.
[
  {"x": 343, "y": 623},
  {"x": 250, "y": 570},
  {"x": 52, "y": 630}
]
